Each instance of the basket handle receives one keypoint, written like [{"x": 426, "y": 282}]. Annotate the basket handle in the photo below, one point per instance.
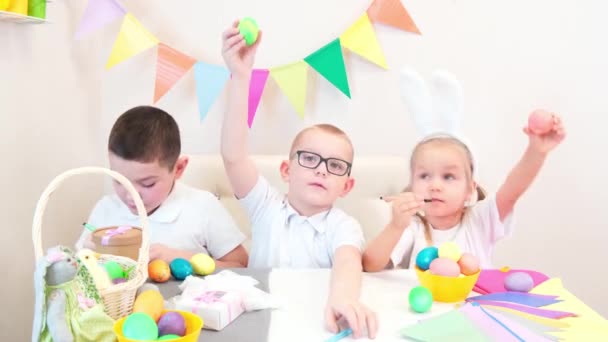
[{"x": 144, "y": 250}]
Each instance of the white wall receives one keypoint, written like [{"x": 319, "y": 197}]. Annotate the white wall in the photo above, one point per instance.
[{"x": 512, "y": 57}]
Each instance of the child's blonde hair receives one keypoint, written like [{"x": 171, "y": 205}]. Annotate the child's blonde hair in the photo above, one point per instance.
[
  {"x": 444, "y": 139},
  {"x": 327, "y": 128}
]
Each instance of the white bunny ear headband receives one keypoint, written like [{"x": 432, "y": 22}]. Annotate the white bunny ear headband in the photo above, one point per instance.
[{"x": 436, "y": 106}]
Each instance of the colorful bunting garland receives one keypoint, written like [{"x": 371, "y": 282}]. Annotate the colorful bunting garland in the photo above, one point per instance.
[{"x": 172, "y": 65}]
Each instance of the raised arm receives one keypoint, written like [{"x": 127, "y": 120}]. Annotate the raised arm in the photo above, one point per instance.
[
  {"x": 524, "y": 172},
  {"x": 240, "y": 169}
]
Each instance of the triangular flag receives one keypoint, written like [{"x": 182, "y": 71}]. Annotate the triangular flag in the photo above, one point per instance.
[
  {"x": 292, "y": 81},
  {"x": 98, "y": 14},
  {"x": 256, "y": 88},
  {"x": 132, "y": 39},
  {"x": 392, "y": 12},
  {"x": 210, "y": 80},
  {"x": 170, "y": 67},
  {"x": 360, "y": 38},
  {"x": 329, "y": 62}
]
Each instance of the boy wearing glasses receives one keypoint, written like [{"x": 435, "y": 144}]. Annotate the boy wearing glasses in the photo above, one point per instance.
[{"x": 301, "y": 229}]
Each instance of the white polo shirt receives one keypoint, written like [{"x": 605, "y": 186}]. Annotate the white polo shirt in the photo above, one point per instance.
[
  {"x": 477, "y": 234},
  {"x": 283, "y": 238},
  {"x": 189, "y": 219}
]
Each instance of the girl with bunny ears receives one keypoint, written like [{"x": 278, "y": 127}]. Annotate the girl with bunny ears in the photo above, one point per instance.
[{"x": 443, "y": 202}]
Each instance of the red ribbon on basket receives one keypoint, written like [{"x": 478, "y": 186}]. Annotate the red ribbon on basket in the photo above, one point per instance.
[
  {"x": 211, "y": 297},
  {"x": 105, "y": 240}
]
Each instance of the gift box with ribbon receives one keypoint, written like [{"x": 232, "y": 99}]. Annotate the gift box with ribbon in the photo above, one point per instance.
[
  {"x": 216, "y": 308},
  {"x": 123, "y": 240}
]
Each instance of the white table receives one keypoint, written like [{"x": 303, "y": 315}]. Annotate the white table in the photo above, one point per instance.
[{"x": 304, "y": 294}]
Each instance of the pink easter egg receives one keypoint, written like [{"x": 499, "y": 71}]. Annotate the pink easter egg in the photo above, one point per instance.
[
  {"x": 540, "y": 121},
  {"x": 469, "y": 264},
  {"x": 444, "y": 267}
]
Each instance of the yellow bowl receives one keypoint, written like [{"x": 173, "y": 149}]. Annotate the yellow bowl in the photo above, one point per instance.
[
  {"x": 447, "y": 289},
  {"x": 194, "y": 324}
]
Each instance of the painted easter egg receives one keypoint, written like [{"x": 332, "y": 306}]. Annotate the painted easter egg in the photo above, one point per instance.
[
  {"x": 119, "y": 280},
  {"x": 444, "y": 267},
  {"x": 159, "y": 271},
  {"x": 540, "y": 121},
  {"x": 426, "y": 256},
  {"x": 469, "y": 264},
  {"x": 140, "y": 327},
  {"x": 420, "y": 299},
  {"x": 450, "y": 250},
  {"x": 249, "y": 29},
  {"x": 114, "y": 269},
  {"x": 150, "y": 302},
  {"x": 172, "y": 323},
  {"x": 180, "y": 268},
  {"x": 202, "y": 264},
  {"x": 519, "y": 281}
]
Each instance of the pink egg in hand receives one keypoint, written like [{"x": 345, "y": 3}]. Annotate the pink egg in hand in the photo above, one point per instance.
[
  {"x": 444, "y": 267},
  {"x": 540, "y": 121},
  {"x": 469, "y": 264}
]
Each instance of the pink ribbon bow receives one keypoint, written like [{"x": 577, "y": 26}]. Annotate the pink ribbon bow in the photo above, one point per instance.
[
  {"x": 211, "y": 297},
  {"x": 105, "y": 240},
  {"x": 84, "y": 302}
]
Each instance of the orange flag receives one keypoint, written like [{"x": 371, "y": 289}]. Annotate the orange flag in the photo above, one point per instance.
[
  {"x": 171, "y": 66},
  {"x": 392, "y": 12}
]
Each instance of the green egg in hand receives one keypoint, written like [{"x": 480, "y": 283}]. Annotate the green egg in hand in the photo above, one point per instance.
[{"x": 249, "y": 29}]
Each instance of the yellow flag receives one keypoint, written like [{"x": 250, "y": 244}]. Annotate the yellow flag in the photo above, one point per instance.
[
  {"x": 132, "y": 39},
  {"x": 291, "y": 79},
  {"x": 360, "y": 38},
  {"x": 588, "y": 325}
]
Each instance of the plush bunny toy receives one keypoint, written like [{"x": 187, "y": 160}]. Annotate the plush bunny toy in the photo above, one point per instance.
[{"x": 67, "y": 302}]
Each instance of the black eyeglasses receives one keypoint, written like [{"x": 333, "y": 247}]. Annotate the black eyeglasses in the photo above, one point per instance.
[{"x": 335, "y": 166}]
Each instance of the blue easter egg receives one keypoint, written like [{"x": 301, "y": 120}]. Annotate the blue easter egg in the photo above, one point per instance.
[
  {"x": 426, "y": 256},
  {"x": 180, "y": 268}
]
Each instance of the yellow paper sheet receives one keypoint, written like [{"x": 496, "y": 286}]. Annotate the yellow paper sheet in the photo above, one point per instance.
[{"x": 587, "y": 326}]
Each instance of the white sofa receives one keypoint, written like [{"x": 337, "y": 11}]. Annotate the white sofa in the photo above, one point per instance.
[{"x": 374, "y": 177}]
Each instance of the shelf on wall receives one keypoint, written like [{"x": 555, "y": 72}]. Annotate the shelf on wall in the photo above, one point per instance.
[{"x": 19, "y": 18}]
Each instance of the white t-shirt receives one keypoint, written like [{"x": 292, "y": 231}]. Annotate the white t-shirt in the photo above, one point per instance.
[
  {"x": 283, "y": 238},
  {"x": 189, "y": 219},
  {"x": 477, "y": 234}
]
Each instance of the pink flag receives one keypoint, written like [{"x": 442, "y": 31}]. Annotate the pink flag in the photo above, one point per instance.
[{"x": 256, "y": 88}]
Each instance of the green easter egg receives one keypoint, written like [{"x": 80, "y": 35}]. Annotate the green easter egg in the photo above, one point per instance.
[
  {"x": 114, "y": 269},
  {"x": 420, "y": 299},
  {"x": 140, "y": 326},
  {"x": 168, "y": 337},
  {"x": 249, "y": 29}
]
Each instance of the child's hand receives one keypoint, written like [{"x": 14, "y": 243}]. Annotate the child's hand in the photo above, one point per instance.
[
  {"x": 160, "y": 251},
  {"x": 545, "y": 142},
  {"x": 405, "y": 205},
  {"x": 238, "y": 57},
  {"x": 360, "y": 318}
]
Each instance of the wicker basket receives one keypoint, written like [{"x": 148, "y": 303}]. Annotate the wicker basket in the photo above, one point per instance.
[{"x": 118, "y": 299}]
